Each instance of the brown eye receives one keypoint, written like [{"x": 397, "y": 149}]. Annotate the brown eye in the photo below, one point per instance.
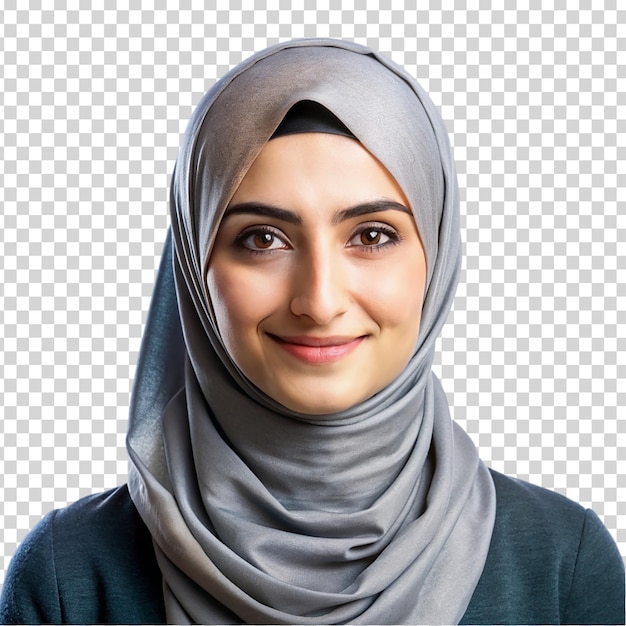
[
  {"x": 371, "y": 237},
  {"x": 263, "y": 240},
  {"x": 374, "y": 237}
]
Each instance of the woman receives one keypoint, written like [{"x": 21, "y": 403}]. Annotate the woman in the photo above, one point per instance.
[{"x": 292, "y": 457}]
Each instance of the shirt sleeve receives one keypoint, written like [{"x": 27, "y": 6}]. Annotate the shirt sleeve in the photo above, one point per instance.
[
  {"x": 30, "y": 593},
  {"x": 598, "y": 588}
]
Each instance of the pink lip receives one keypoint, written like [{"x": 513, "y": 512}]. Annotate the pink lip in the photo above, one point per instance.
[{"x": 318, "y": 350}]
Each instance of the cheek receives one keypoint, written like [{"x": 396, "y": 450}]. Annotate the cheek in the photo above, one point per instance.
[
  {"x": 229, "y": 302},
  {"x": 241, "y": 299},
  {"x": 396, "y": 295}
]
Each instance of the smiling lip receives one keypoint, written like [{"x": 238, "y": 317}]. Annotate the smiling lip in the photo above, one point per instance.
[{"x": 318, "y": 350}]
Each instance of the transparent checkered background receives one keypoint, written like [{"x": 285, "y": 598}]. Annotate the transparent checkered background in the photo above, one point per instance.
[{"x": 92, "y": 106}]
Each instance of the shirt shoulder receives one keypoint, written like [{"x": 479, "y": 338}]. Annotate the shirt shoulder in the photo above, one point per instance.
[
  {"x": 91, "y": 562},
  {"x": 540, "y": 567}
]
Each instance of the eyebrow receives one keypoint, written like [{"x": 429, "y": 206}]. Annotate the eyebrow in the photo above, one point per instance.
[
  {"x": 267, "y": 210},
  {"x": 375, "y": 206},
  {"x": 264, "y": 210}
]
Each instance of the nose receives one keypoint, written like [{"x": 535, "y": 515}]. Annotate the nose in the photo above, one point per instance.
[{"x": 320, "y": 286}]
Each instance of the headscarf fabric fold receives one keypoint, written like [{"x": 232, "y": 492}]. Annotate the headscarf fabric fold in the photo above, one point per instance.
[{"x": 382, "y": 513}]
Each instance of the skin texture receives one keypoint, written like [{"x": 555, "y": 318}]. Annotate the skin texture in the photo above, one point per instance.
[{"x": 339, "y": 264}]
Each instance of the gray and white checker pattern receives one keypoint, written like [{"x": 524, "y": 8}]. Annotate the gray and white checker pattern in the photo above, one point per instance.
[{"x": 92, "y": 105}]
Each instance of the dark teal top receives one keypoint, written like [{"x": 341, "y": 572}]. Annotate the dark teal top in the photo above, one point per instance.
[{"x": 550, "y": 562}]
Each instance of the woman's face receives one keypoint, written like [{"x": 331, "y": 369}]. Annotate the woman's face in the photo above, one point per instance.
[{"x": 317, "y": 274}]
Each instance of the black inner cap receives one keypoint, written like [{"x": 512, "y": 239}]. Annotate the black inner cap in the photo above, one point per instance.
[{"x": 307, "y": 116}]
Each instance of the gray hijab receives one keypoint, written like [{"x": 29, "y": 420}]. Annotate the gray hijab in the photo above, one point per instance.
[{"x": 380, "y": 514}]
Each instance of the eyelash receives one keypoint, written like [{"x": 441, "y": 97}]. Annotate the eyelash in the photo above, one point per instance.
[
  {"x": 257, "y": 230},
  {"x": 393, "y": 238}
]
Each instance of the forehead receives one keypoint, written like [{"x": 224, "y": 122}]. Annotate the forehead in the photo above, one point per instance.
[{"x": 309, "y": 168}]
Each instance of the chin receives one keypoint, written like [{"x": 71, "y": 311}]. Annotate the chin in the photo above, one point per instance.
[{"x": 310, "y": 404}]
